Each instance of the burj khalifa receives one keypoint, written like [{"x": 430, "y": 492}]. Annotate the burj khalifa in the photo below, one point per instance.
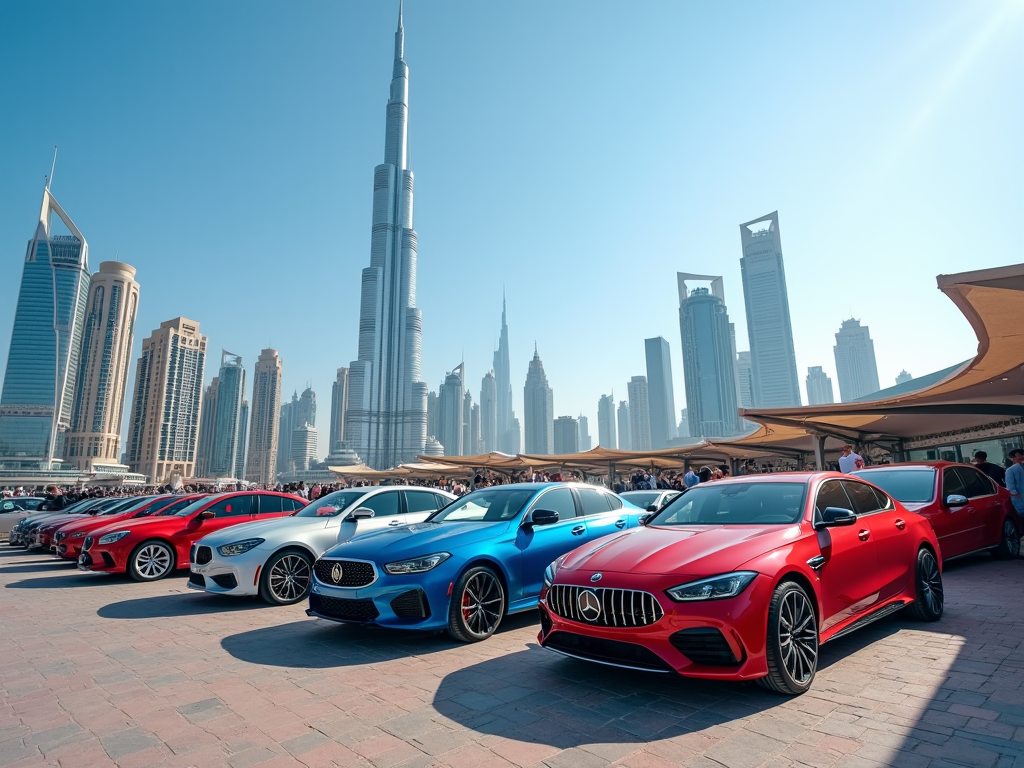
[{"x": 387, "y": 416}]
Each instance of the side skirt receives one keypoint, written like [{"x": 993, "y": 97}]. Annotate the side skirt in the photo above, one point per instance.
[{"x": 863, "y": 621}]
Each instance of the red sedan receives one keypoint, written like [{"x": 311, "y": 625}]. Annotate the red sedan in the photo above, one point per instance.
[
  {"x": 968, "y": 511},
  {"x": 69, "y": 538},
  {"x": 152, "y": 548},
  {"x": 742, "y": 579}
]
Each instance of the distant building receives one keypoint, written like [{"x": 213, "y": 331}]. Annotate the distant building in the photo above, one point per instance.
[
  {"x": 684, "y": 423},
  {"x": 488, "y": 413},
  {"x": 606, "y": 436},
  {"x": 264, "y": 439},
  {"x": 243, "y": 428},
  {"x": 449, "y": 413},
  {"x": 514, "y": 436},
  {"x": 773, "y": 357},
  {"x": 855, "y": 361},
  {"x": 433, "y": 447},
  {"x": 432, "y": 414},
  {"x": 102, "y": 381},
  {"x": 205, "y": 448},
  {"x": 509, "y": 434},
  {"x": 639, "y": 414},
  {"x": 625, "y": 427},
  {"x": 539, "y": 409},
  {"x": 566, "y": 435},
  {"x": 227, "y": 416},
  {"x": 904, "y": 377},
  {"x": 467, "y": 424},
  {"x": 304, "y": 447},
  {"x": 339, "y": 409},
  {"x": 819, "y": 387},
  {"x": 474, "y": 429},
  {"x": 166, "y": 402},
  {"x": 662, "y": 400},
  {"x": 585, "y": 443},
  {"x": 745, "y": 379}
]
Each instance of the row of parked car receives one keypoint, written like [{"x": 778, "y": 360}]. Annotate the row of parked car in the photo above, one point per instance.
[{"x": 736, "y": 579}]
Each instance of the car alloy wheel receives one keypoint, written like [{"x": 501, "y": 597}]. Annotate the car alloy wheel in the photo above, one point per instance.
[
  {"x": 286, "y": 578},
  {"x": 151, "y": 561},
  {"x": 1009, "y": 542},
  {"x": 477, "y": 606},
  {"x": 928, "y": 592},
  {"x": 792, "y": 643}
]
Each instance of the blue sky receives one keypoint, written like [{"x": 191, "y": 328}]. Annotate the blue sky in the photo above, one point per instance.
[{"x": 578, "y": 154}]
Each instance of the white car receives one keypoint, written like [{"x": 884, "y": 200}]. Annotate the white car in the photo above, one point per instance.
[{"x": 274, "y": 558}]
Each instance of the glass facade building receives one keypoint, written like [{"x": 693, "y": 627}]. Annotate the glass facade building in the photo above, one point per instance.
[{"x": 224, "y": 447}]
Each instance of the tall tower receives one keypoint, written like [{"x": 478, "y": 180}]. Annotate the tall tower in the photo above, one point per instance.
[
  {"x": 449, "y": 416},
  {"x": 489, "y": 413},
  {"x": 264, "y": 439},
  {"x": 772, "y": 356},
  {"x": 855, "y": 361},
  {"x": 387, "y": 401},
  {"x": 507, "y": 436},
  {"x": 289, "y": 421},
  {"x": 205, "y": 449},
  {"x": 639, "y": 413},
  {"x": 339, "y": 410},
  {"x": 606, "y": 422},
  {"x": 102, "y": 381},
  {"x": 227, "y": 416},
  {"x": 167, "y": 401},
  {"x": 39, "y": 386},
  {"x": 625, "y": 427},
  {"x": 538, "y": 409},
  {"x": 662, "y": 396},
  {"x": 819, "y": 387},
  {"x": 242, "y": 435},
  {"x": 566, "y": 435}
]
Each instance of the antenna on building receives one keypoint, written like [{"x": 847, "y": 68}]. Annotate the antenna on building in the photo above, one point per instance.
[{"x": 49, "y": 179}]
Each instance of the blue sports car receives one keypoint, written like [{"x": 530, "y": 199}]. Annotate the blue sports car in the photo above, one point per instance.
[{"x": 469, "y": 564}]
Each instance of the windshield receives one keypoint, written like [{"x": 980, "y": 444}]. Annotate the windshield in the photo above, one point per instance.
[
  {"x": 641, "y": 498},
  {"x": 330, "y": 505},
  {"x": 491, "y": 505},
  {"x": 140, "y": 502},
  {"x": 905, "y": 485},
  {"x": 173, "y": 508},
  {"x": 756, "y": 503},
  {"x": 198, "y": 504}
]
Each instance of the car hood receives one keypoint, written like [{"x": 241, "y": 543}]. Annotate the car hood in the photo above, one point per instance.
[
  {"x": 141, "y": 523},
  {"x": 92, "y": 521},
  {"x": 694, "y": 549},
  {"x": 67, "y": 520},
  {"x": 390, "y": 544},
  {"x": 278, "y": 528}
]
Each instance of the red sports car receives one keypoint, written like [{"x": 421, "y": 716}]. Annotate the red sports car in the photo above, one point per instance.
[
  {"x": 968, "y": 511},
  {"x": 45, "y": 534},
  {"x": 152, "y": 548},
  {"x": 742, "y": 579},
  {"x": 70, "y": 537}
]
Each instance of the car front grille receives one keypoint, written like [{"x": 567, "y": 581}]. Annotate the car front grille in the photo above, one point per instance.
[
  {"x": 197, "y": 579},
  {"x": 203, "y": 555},
  {"x": 411, "y": 605},
  {"x": 225, "y": 580},
  {"x": 59, "y": 536},
  {"x": 606, "y": 651},
  {"x": 705, "y": 646},
  {"x": 354, "y": 573},
  {"x": 87, "y": 544},
  {"x": 342, "y": 609},
  {"x": 618, "y": 607}
]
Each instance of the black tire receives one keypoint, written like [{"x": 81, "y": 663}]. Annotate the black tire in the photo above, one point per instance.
[
  {"x": 286, "y": 577},
  {"x": 151, "y": 561},
  {"x": 929, "y": 599},
  {"x": 477, "y": 605},
  {"x": 792, "y": 641},
  {"x": 1009, "y": 542}
]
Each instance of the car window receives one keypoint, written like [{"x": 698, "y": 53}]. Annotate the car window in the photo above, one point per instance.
[
  {"x": 976, "y": 483},
  {"x": 952, "y": 484},
  {"x": 863, "y": 497},
  {"x": 593, "y": 502},
  {"x": 384, "y": 504},
  {"x": 752, "y": 503},
  {"x": 488, "y": 505},
  {"x": 174, "y": 507},
  {"x": 613, "y": 501},
  {"x": 9, "y": 506},
  {"x": 911, "y": 486},
  {"x": 291, "y": 505},
  {"x": 442, "y": 501},
  {"x": 557, "y": 500},
  {"x": 233, "y": 506},
  {"x": 884, "y": 502},
  {"x": 270, "y": 504},
  {"x": 332, "y": 504},
  {"x": 420, "y": 501},
  {"x": 831, "y": 494},
  {"x": 642, "y": 499}
]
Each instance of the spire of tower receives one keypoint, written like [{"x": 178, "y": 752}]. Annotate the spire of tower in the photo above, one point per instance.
[
  {"x": 49, "y": 179},
  {"x": 400, "y": 34}
]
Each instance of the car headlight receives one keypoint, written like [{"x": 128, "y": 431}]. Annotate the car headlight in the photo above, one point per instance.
[
  {"x": 715, "y": 588},
  {"x": 417, "y": 564},
  {"x": 110, "y": 538},
  {"x": 239, "y": 547},
  {"x": 77, "y": 535},
  {"x": 552, "y": 569}
]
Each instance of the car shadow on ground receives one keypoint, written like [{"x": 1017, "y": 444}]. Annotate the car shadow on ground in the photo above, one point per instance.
[
  {"x": 51, "y": 564},
  {"x": 75, "y": 579},
  {"x": 177, "y": 604}
]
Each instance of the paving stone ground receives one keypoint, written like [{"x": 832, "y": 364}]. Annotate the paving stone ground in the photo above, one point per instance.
[{"x": 100, "y": 671}]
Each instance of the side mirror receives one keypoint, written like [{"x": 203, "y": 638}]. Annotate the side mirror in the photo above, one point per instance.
[
  {"x": 955, "y": 501},
  {"x": 835, "y": 517},
  {"x": 644, "y": 519},
  {"x": 363, "y": 513},
  {"x": 652, "y": 507},
  {"x": 207, "y": 514},
  {"x": 542, "y": 517}
]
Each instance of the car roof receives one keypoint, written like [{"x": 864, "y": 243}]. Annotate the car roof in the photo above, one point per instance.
[{"x": 918, "y": 465}]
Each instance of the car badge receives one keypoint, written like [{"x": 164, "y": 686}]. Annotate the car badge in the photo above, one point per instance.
[
  {"x": 589, "y": 605},
  {"x": 336, "y": 573},
  {"x": 596, "y": 577}
]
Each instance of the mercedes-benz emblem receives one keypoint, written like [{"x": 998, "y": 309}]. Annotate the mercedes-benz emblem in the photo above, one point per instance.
[
  {"x": 336, "y": 573},
  {"x": 596, "y": 577},
  {"x": 589, "y": 605}
]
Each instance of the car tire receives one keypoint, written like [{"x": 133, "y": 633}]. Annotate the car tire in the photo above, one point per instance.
[
  {"x": 151, "y": 561},
  {"x": 792, "y": 655},
  {"x": 477, "y": 605},
  {"x": 286, "y": 577},
  {"x": 928, "y": 594},
  {"x": 1009, "y": 542}
]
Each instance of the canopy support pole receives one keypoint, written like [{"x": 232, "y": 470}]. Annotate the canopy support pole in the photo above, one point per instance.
[{"x": 819, "y": 451}]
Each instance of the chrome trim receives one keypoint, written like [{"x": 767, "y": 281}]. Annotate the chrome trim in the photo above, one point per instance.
[
  {"x": 563, "y": 601},
  {"x": 870, "y": 618},
  {"x": 376, "y": 573},
  {"x": 606, "y": 663},
  {"x": 816, "y": 562},
  {"x": 315, "y": 615}
]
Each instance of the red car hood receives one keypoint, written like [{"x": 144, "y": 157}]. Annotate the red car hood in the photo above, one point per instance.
[
  {"x": 98, "y": 521},
  {"x": 680, "y": 550}
]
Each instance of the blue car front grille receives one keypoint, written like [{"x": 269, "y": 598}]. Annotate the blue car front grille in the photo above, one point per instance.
[
  {"x": 342, "y": 609},
  {"x": 350, "y": 573}
]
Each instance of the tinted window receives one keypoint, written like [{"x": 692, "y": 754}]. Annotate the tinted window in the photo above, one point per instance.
[
  {"x": 558, "y": 500},
  {"x": 976, "y": 483},
  {"x": 488, "y": 505},
  {"x": 270, "y": 504},
  {"x": 952, "y": 484},
  {"x": 420, "y": 501},
  {"x": 330, "y": 505},
  {"x": 883, "y": 501},
  {"x": 613, "y": 501},
  {"x": 593, "y": 502},
  {"x": 175, "y": 507},
  {"x": 642, "y": 499},
  {"x": 831, "y": 494},
  {"x": 383, "y": 504},
  {"x": 863, "y": 498},
  {"x": 757, "y": 503},
  {"x": 233, "y": 506},
  {"x": 912, "y": 486},
  {"x": 292, "y": 505},
  {"x": 8, "y": 506}
]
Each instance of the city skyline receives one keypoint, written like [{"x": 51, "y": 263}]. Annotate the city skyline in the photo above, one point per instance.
[{"x": 807, "y": 222}]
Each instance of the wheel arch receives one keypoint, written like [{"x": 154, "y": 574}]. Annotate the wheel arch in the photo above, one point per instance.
[
  {"x": 805, "y": 583},
  {"x": 170, "y": 545},
  {"x": 495, "y": 566}
]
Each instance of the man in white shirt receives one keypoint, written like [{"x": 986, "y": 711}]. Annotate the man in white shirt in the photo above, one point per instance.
[{"x": 848, "y": 460}]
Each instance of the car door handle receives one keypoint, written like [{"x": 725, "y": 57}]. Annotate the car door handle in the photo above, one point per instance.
[
  {"x": 901, "y": 524},
  {"x": 395, "y": 522},
  {"x": 578, "y": 530},
  {"x": 620, "y": 523},
  {"x": 863, "y": 534}
]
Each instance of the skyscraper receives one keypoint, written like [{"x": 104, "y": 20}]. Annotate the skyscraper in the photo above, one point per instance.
[
  {"x": 39, "y": 386},
  {"x": 102, "y": 381},
  {"x": 566, "y": 435},
  {"x": 166, "y": 402},
  {"x": 304, "y": 446},
  {"x": 904, "y": 377},
  {"x": 708, "y": 359},
  {"x": 264, "y": 439},
  {"x": 387, "y": 401},
  {"x": 339, "y": 409},
  {"x": 205, "y": 449},
  {"x": 684, "y": 424},
  {"x": 639, "y": 413},
  {"x": 488, "y": 413},
  {"x": 432, "y": 410},
  {"x": 606, "y": 422},
  {"x": 772, "y": 355},
  {"x": 467, "y": 424},
  {"x": 855, "y": 361},
  {"x": 508, "y": 438},
  {"x": 289, "y": 421},
  {"x": 745, "y": 376},
  {"x": 227, "y": 415},
  {"x": 305, "y": 412},
  {"x": 538, "y": 409},
  {"x": 243, "y": 432},
  {"x": 449, "y": 411},
  {"x": 584, "y": 432},
  {"x": 819, "y": 387},
  {"x": 625, "y": 427},
  {"x": 476, "y": 442},
  {"x": 662, "y": 400}
]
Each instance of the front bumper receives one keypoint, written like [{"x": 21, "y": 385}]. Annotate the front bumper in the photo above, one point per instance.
[
  {"x": 402, "y": 602},
  {"x": 236, "y": 575},
  {"x": 716, "y": 639},
  {"x": 104, "y": 559}
]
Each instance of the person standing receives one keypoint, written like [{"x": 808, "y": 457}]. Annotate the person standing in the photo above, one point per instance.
[
  {"x": 1015, "y": 479},
  {"x": 994, "y": 471},
  {"x": 848, "y": 461}
]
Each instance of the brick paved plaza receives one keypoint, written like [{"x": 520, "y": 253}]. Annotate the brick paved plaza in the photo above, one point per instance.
[{"x": 101, "y": 671}]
